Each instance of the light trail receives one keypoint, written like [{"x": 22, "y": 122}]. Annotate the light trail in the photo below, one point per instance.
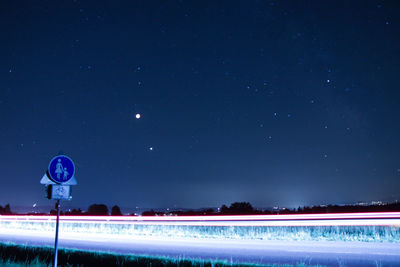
[
  {"x": 368, "y": 227},
  {"x": 328, "y": 219},
  {"x": 354, "y": 239}
]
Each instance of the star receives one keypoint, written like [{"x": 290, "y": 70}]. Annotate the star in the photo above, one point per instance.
[
  {"x": 151, "y": 148},
  {"x": 138, "y": 116}
]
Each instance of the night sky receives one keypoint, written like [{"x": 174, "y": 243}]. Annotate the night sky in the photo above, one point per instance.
[{"x": 285, "y": 103}]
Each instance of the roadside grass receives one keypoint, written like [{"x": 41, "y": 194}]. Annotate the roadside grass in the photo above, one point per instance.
[
  {"x": 12, "y": 255},
  {"x": 365, "y": 233},
  {"x": 19, "y": 255}
]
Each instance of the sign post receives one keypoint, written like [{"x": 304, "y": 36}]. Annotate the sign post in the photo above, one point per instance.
[
  {"x": 58, "y": 180},
  {"x": 56, "y": 240}
]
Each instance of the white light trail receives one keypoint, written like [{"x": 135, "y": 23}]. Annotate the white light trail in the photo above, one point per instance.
[
  {"x": 376, "y": 234},
  {"x": 328, "y": 219},
  {"x": 368, "y": 227}
]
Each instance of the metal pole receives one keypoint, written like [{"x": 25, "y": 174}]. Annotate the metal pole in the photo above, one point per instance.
[{"x": 56, "y": 242}]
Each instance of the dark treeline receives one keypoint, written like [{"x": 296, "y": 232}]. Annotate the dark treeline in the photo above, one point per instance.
[
  {"x": 236, "y": 208},
  {"x": 6, "y": 210},
  {"x": 350, "y": 208},
  {"x": 94, "y": 209},
  {"x": 241, "y": 208}
]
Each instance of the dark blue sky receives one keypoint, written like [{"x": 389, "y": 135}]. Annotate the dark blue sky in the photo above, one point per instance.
[{"x": 272, "y": 102}]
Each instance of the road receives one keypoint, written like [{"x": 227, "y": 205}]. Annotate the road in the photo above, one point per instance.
[{"x": 329, "y": 253}]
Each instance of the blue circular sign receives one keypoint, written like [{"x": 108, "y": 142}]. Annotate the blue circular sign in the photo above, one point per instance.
[{"x": 61, "y": 169}]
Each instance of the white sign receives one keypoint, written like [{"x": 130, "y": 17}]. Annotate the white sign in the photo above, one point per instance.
[{"x": 60, "y": 192}]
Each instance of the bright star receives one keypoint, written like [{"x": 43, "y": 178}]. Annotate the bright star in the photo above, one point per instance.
[{"x": 138, "y": 116}]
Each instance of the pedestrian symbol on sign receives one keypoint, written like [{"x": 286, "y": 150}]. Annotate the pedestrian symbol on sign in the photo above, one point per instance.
[
  {"x": 61, "y": 169},
  {"x": 65, "y": 174}
]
